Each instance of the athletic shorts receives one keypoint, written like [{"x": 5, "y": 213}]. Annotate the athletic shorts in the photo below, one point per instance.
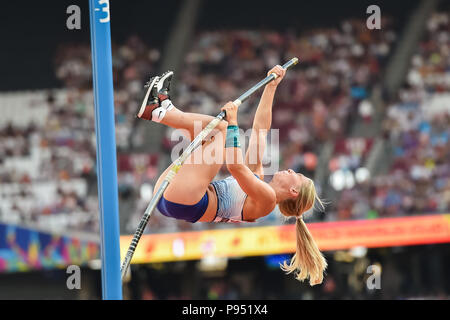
[{"x": 190, "y": 213}]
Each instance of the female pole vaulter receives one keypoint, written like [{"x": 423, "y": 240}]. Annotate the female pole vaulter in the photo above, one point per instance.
[{"x": 193, "y": 196}]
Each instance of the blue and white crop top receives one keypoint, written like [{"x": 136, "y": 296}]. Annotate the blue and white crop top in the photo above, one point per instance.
[{"x": 230, "y": 200}]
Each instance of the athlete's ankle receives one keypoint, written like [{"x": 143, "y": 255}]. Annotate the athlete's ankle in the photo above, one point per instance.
[
  {"x": 166, "y": 108},
  {"x": 167, "y": 104}
]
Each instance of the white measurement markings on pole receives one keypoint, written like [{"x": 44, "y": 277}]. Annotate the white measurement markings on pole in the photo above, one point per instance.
[{"x": 104, "y": 9}]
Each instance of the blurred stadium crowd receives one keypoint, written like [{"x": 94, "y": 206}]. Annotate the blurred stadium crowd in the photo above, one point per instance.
[
  {"x": 47, "y": 154},
  {"x": 417, "y": 126}
]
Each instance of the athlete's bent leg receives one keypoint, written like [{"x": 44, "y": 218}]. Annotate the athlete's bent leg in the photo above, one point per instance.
[{"x": 191, "y": 181}]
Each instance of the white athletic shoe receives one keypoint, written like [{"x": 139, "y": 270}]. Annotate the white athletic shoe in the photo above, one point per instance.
[
  {"x": 164, "y": 85},
  {"x": 150, "y": 101},
  {"x": 163, "y": 96}
]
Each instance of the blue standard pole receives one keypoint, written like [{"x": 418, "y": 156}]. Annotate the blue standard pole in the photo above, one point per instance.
[{"x": 106, "y": 148}]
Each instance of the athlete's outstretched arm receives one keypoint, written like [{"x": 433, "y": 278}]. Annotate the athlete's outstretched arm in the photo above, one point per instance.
[
  {"x": 262, "y": 123},
  {"x": 251, "y": 185}
]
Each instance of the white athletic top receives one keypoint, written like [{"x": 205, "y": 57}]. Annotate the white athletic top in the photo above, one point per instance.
[{"x": 230, "y": 200}]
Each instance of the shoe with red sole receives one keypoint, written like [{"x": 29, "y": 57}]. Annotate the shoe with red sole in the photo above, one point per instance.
[
  {"x": 164, "y": 85},
  {"x": 151, "y": 101}
]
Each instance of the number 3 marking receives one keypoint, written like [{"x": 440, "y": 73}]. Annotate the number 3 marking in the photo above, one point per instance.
[{"x": 105, "y": 9}]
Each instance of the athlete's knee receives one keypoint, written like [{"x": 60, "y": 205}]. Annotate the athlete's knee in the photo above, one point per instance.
[
  {"x": 222, "y": 126},
  {"x": 220, "y": 131}
]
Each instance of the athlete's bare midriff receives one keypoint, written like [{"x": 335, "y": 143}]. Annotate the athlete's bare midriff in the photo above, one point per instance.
[{"x": 210, "y": 212}]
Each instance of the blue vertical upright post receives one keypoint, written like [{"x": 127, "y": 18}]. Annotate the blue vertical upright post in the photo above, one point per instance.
[{"x": 106, "y": 148}]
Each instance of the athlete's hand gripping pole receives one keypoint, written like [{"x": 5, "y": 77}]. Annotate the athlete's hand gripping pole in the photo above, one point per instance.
[{"x": 179, "y": 162}]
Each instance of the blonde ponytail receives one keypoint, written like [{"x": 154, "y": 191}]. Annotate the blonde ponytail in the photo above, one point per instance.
[{"x": 307, "y": 261}]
